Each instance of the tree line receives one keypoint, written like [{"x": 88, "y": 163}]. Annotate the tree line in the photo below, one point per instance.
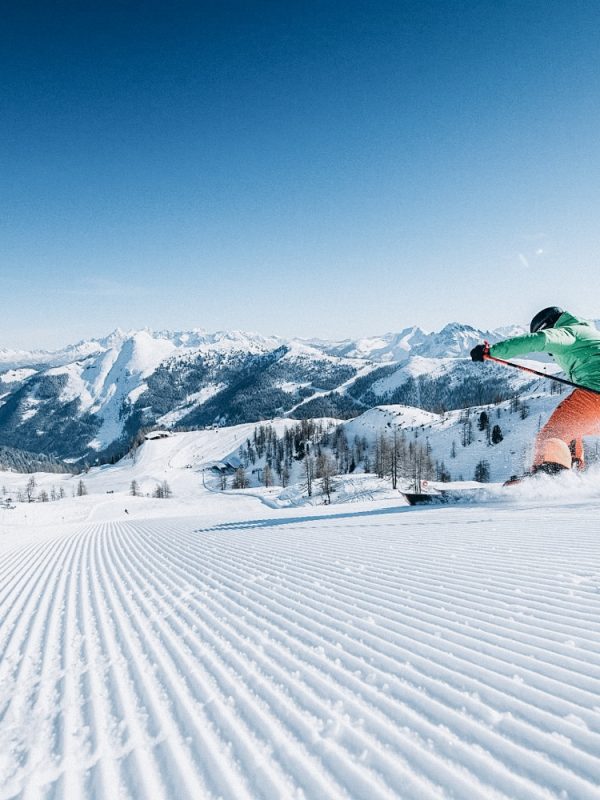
[{"x": 323, "y": 450}]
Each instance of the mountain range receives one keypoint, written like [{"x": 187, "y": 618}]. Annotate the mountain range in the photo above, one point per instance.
[{"x": 88, "y": 400}]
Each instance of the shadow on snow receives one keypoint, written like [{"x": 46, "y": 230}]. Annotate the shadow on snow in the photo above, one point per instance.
[{"x": 274, "y": 522}]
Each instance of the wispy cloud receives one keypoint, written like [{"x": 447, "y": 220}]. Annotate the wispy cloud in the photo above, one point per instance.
[
  {"x": 523, "y": 260},
  {"x": 528, "y": 257}
]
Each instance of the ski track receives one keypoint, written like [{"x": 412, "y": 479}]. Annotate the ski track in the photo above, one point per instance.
[{"x": 437, "y": 654}]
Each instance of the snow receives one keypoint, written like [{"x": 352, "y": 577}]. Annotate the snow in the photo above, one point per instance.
[
  {"x": 291, "y": 386},
  {"x": 379, "y": 418},
  {"x": 29, "y": 412},
  {"x": 30, "y": 408},
  {"x": 16, "y": 375},
  {"x": 117, "y": 375},
  {"x": 213, "y": 646},
  {"x": 388, "y": 347},
  {"x": 454, "y": 339},
  {"x": 341, "y": 389},
  {"x": 444, "y": 433},
  {"x": 174, "y": 416}
]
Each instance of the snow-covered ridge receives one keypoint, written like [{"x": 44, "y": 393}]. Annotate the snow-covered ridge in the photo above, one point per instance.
[
  {"x": 195, "y": 338},
  {"x": 454, "y": 339},
  {"x": 16, "y": 375}
]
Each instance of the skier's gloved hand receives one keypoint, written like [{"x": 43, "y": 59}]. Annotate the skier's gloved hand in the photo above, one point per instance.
[{"x": 478, "y": 352}]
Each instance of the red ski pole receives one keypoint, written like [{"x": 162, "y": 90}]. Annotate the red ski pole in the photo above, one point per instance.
[{"x": 488, "y": 357}]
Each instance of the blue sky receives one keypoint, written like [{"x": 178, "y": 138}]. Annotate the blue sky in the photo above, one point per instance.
[{"x": 302, "y": 168}]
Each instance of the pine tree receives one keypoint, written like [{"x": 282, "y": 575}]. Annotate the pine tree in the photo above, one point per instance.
[
  {"x": 482, "y": 472},
  {"x": 442, "y": 473},
  {"x": 497, "y": 435}
]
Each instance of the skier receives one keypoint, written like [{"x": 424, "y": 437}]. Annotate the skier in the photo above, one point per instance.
[{"x": 575, "y": 345}]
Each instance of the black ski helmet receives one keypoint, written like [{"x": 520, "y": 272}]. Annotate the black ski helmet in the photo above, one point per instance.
[{"x": 547, "y": 318}]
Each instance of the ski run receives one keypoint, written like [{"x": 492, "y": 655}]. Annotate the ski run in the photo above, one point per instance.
[{"x": 215, "y": 646}]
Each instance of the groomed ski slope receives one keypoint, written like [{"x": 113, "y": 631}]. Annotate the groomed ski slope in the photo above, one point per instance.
[{"x": 371, "y": 652}]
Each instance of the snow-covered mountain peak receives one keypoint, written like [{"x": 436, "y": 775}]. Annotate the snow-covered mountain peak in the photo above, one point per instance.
[
  {"x": 454, "y": 339},
  {"x": 454, "y": 328},
  {"x": 115, "y": 337},
  {"x": 242, "y": 340},
  {"x": 141, "y": 353},
  {"x": 388, "y": 347},
  {"x": 508, "y": 331}
]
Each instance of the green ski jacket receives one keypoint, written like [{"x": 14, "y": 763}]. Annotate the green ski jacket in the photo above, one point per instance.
[{"x": 573, "y": 343}]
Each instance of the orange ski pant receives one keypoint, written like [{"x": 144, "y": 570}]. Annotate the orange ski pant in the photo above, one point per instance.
[{"x": 577, "y": 416}]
